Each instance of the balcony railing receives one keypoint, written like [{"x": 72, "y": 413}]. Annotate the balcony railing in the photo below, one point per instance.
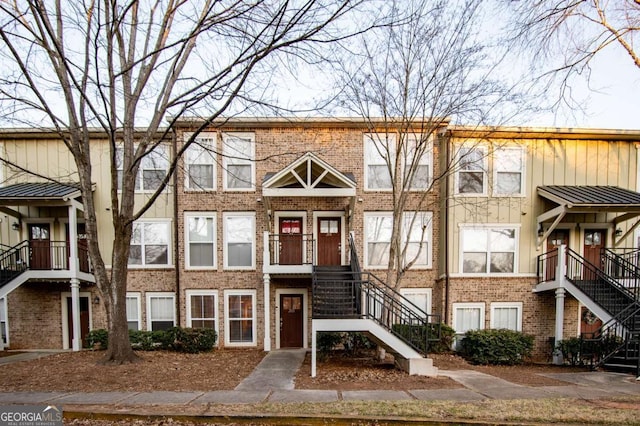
[
  {"x": 291, "y": 249},
  {"x": 43, "y": 255}
]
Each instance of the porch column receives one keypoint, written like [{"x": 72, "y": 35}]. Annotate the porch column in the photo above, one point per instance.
[
  {"x": 313, "y": 348},
  {"x": 75, "y": 313},
  {"x": 73, "y": 240},
  {"x": 560, "y": 295},
  {"x": 267, "y": 311}
]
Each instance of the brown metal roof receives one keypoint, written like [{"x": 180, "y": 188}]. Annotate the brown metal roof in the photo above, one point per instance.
[
  {"x": 39, "y": 191},
  {"x": 590, "y": 196}
]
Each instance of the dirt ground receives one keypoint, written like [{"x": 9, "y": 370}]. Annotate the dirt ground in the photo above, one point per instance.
[{"x": 224, "y": 369}]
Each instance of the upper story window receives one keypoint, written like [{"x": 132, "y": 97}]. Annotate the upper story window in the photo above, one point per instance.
[
  {"x": 418, "y": 154},
  {"x": 153, "y": 168},
  {"x": 471, "y": 177},
  {"x": 200, "y": 163},
  {"x": 239, "y": 240},
  {"x": 508, "y": 171},
  {"x": 489, "y": 250},
  {"x": 377, "y": 149},
  {"x": 238, "y": 162},
  {"x": 416, "y": 238},
  {"x": 150, "y": 243},
  {"x": 200, "y": 246}
]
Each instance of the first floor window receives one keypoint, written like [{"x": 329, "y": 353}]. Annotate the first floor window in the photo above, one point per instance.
[
  {"x": 161, "y": 311},
  {"x": 133, "y": 311},
  {"x": 201, "y": 240},
  {"x": 468, "y": 316},
  {"x": 240, "y": 318},
  {"x": 506, "y": 315},
  {"x": 239, "y": 240},
  {"x": 200, "y": 163},
  {"x": 150, "y": 243},
  {"x": 488, "y": 250},
  {"x": 4, "y": 331},
  {"x": 420, "y": 299},
  {"x": 201, "y": 309}
]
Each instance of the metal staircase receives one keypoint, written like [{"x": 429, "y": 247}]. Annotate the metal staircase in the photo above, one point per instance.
[
  {"x": 345, "y": 292},
  {"x": 14, "y": 261},
  {"x": 614, "y": 286}
]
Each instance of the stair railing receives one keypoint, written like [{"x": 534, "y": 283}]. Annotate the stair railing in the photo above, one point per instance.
[
  {"x": 623, "y": 268},
  {"x": 13, "y": 262}
]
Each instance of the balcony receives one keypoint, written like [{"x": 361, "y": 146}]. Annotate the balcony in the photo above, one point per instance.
[{"x": 288, "y": 253}]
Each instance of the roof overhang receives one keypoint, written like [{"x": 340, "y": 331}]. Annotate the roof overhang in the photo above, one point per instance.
[
  {"x": 39, "y": 194},
  {"x": 585, "y": 199}
]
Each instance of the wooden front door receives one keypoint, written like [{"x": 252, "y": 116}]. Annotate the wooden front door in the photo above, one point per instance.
[
  {"x": 329, "y": 241},
  {"x": 593, "y": 245},
  {"x": 84, "y": 321},
  {"x": 557, "y": 238},
  {"x": 290, "y": 241},
  {"x": 40, "y": 246},
  {"x": 291, "y": 321}
]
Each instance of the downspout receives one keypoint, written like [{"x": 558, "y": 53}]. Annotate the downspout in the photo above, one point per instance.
[
  {"x": 446, "y": 227},
  {"x": 176, "y": 250}
]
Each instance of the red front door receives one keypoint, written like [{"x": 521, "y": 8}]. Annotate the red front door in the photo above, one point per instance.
[
  {"x": 84, "y": 321},
  {"x": 291, "y": 321},
  {"x": 40, "y": 246},
  {"x": 290, "y": 241},
  {"x": 593, "y": 245},
  {"x": 329, "y": 241}
]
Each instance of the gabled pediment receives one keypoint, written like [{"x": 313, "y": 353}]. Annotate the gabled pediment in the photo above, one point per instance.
[{"x": 309, "y": 176}]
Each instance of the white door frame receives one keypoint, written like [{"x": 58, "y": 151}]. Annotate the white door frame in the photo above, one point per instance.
[
  {"x": 343, "y": 231},
  {"x": 305, "y": 314}
]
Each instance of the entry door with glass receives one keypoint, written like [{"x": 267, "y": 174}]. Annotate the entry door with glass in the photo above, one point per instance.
[{"x": 329, "y": 241}]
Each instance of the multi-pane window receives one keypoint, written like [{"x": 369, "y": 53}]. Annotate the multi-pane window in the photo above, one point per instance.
[
  {"x": 417, "y": 162},
  {"x": 377, "y": 149},
  {"x": 133, "y": 311},
  {"x": 4, "y": 331},
  {"x": 488, "y": 250},
  {"x": 202, "y": 309},
  {"x": 153, "y": 168},
  {"x": 238, "y": 150},
  {"x": 200, "y": 163},
  {"x": 508, "y": 166},
  {"x": 239, "y": 240},
  {"x": 471, "y": 178},
  {"x": 416, "y": 237},
  {"x": 420, "y": 299},
  {"x": 150, "y": 244},
  {"x": 468, "y": 316},
  {"x": 200, "y": 230},
  {"x": 506, "y": 315},
  {"x": 161, "y": 312},
  {"x": 240, "y": 317}
]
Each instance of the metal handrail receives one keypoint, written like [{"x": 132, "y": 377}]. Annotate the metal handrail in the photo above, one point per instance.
[
  {"x": 546, "y": 266},
  {"x": 276, "y": 245},
  {"x": 619, "y": 267}
]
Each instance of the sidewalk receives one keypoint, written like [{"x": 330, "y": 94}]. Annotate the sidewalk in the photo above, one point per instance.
[{"x": 272, "y": 381}]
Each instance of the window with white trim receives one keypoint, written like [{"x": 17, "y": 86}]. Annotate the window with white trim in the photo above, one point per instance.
[
  {"x": 202, "y": 309},
  {"x": 240, "y": 317},
  {"x": 506, "y": 315},
  {"x": 468, "y": 316},
  {"x": 133, "y": 311},
  {"x": 200, "y": 163},
  {"x": 417, "y": 159},
  {"x": 508, "y": 171},
  {"x": 239, "y": 240},
  {"x": 4, "y": 329},
  {"x": 489, "y": 250},
  {"x": 153, "y": 168},
  {"x": 377, "y": 148},
  {"x": 416, "y": 236},
  {"x": 161, "y": 311},
  {"x": 150, "y": 242},
  {"x": 200, "y": 240},
  {"x": 420, "y": 297},
  {"x": 471, "y": 177},
  {"x": 238, "y": 150}
]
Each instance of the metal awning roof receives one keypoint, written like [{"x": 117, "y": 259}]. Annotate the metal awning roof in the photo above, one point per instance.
[
  {"x": 39, "y": 191},
  {"x": 583, "y": 199}
]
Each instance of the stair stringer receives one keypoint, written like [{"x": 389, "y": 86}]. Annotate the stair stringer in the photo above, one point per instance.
[
  {"x": 587, "y": 301},
  {"x": 15, "y": 283},
  {"x": 407, "y": 358}
]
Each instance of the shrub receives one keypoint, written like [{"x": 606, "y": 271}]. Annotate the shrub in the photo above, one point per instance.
[
  {"x": 326, "y": 342},
  {"x": 191, "y": 340},
  {"x": 354, "y": 343},
  {"x": 418, "y": 334},
  {"x": 571, "y": 350},
  {"x": 98, "y": 339},
  {"x": 148, "y": 340},
  {"x": 496, "y": 346}
]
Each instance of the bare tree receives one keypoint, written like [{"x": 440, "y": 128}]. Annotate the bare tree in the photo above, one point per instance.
[
  {"x": 124, "y": 67},
  {"x": 434, "y": 64},
  {"x": 560, "y": 39}
]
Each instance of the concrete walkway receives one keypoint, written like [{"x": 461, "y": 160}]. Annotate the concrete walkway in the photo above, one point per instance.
[{"x": 273, "y": 381}]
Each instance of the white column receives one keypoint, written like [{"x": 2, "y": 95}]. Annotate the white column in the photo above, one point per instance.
[
  {"x": 75, "y": 313},
  {"x": 560, "y": 295},
  {"x": 267, "y": 311},
  {"x": 313, "y": 348},
  {"x": 73, "y": 240}
]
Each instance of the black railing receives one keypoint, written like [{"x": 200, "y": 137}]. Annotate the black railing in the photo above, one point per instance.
[
  {"x": 623, "y": 267},
  {"x": 546, "y": 266},
  {"x": 291, "y": 249}
]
